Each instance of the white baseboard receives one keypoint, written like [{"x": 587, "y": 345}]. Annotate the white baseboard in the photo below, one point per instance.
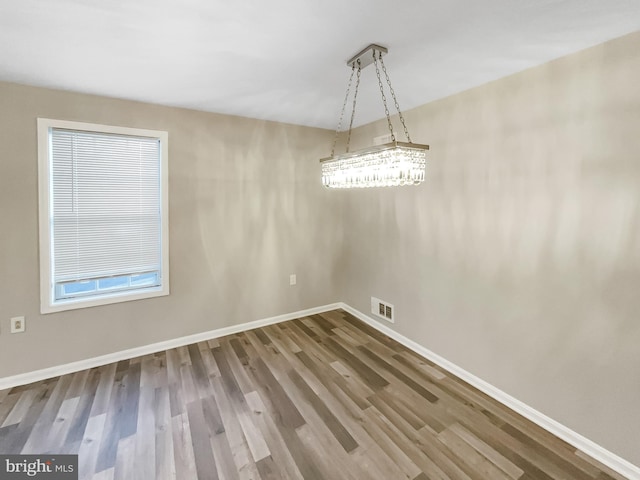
[
  {"x": 38, "y": 375},
  {"x": 592, "y": 449},
  {"x": 613, "y": 461}
]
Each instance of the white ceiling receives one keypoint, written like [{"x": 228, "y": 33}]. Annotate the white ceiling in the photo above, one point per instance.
[{"x": 285, "y": 60}]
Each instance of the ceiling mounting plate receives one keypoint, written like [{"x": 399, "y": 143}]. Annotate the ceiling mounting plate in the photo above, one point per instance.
[{"x": 366, "y": 56}]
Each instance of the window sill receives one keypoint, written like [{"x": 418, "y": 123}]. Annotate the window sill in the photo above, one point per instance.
[{"x": 105, "y": 299}]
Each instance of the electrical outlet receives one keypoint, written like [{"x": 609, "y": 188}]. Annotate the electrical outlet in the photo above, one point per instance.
[
  {"x": 17, "y": 324},
  {"x": 292, "y": 279},
  {"x": 382, "y": 309}
]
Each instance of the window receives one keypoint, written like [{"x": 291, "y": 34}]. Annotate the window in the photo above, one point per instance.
[{"x": 103, "y": 214}]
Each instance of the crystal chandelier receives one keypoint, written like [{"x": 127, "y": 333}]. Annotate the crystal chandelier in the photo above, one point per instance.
[{"x": 387, "y": 165}]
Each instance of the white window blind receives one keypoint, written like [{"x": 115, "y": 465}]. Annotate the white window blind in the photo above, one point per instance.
[{"x": 105, "y": 205}]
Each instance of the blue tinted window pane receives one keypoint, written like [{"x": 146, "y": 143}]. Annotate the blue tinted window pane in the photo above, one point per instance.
[
  {"x": 106, "y": 285},
  {"x": 144, "y": 279},
  {"x": 113, "y": 282},
  {"x": 79, "y": 287}
]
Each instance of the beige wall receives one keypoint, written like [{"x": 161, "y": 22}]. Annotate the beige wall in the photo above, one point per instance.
[
  {"x": 246, "y": 209},
  {"x": 519, "y": 257}
]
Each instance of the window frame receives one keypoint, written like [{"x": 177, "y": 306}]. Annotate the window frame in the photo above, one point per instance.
[{"x": 48, "y": 304}]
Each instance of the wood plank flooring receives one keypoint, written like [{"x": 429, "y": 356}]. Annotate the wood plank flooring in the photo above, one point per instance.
[{"x": 320, "y": 397}]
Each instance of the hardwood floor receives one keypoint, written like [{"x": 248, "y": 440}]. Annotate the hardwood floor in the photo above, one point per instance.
[{"x": 321, "y": 397}]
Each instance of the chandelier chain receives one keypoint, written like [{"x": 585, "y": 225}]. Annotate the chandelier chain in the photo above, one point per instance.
[
  {"x": 344, "y": 107},
  {"x": 395, "y": 100},
  {"x": 384, "y": 98},
  {"x": 353, "y": 111}
]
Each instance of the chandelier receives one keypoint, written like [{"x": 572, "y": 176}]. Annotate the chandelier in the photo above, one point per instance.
[{"x": 386, "y": 165}]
